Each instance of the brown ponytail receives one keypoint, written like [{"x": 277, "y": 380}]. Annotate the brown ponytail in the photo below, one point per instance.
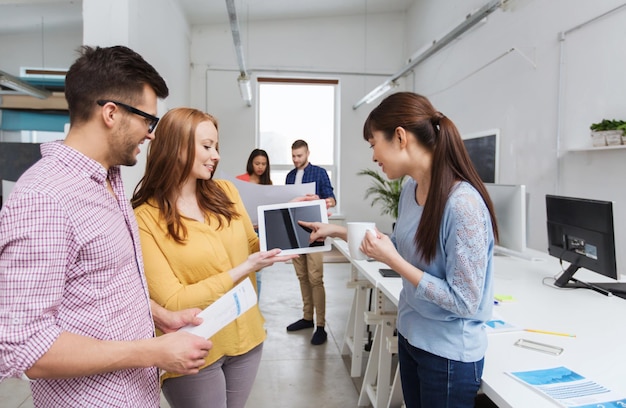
[{"x": 451, "y": 162}]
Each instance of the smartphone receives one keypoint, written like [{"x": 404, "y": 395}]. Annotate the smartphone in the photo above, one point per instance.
[{"x": 388, "y": 273}]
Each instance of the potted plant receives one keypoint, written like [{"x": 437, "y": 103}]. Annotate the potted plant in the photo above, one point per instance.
[
  {"x": 386, "y": 192},
  {"x": 608, "y": 132}
]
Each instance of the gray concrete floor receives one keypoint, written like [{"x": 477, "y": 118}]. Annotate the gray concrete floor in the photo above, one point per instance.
[{"x": 293, "y": 373}]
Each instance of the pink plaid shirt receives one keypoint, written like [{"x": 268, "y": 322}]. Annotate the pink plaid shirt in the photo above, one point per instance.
[{"x": 70, "y": 260}]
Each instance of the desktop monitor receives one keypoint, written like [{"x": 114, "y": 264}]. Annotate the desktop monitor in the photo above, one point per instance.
[
  {"x": 482, "y": 148},
  {"x": 509, "y": 203},
  {"x": 580, "y": 231},
  {"x": 16, "y": 158}
]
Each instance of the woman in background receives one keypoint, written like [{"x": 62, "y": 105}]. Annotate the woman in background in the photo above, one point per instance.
[
  {"x": 198, "y": 243},
  {"x": 257, "y": 168},
  {"x": 442, "y": 246},
  {"x": 258, "y": 172}
]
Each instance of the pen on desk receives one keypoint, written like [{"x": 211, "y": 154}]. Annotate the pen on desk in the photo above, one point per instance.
[{"x": 550, "y": 332}]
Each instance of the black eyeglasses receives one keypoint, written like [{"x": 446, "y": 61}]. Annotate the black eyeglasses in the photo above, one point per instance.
[{"x": 151, "y": 121}]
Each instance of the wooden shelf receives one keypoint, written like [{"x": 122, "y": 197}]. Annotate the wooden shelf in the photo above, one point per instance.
[{"x": 55, "y": 102}]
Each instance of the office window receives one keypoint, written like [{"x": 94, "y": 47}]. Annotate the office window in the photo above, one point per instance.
[{"x": 291, "y": 109}]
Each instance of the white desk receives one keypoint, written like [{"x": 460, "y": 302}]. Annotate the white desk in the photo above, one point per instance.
[
  {"x": 598, "y": 351},
  {"x": 377, "y": 388},
  {"x": 599, "y": 323}
]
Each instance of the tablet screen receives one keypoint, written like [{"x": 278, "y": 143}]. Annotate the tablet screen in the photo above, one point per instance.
[{"x": 279, "y": 228}]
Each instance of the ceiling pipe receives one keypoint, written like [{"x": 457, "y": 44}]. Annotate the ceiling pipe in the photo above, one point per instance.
[
  {"x": 470, "y": 21},
  {"x": 244, "y": 79},
  {"x": 16, "y": 85}
]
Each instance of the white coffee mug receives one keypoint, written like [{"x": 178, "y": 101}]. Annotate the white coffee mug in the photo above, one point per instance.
[{"x": 356, "y": 233}]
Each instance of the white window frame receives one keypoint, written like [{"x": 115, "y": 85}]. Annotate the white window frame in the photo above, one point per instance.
[{"x": 332, "y": 168}]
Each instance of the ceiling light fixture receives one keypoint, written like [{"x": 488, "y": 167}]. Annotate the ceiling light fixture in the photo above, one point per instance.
[
  {"x": 379, "y": 91},
  {"x": 470, "y": 21},
  {"x": 245, "y": 89},
  {"x": 15, "y": 84},
  {"x": 244, "y": 79}
]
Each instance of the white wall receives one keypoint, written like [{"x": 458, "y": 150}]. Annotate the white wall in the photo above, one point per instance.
[
  {"x": 27, "y": 49},
  {"x": 340, "y": 48},
  {"x": 503, "y": 74},
  {"x": 156, "y": 29},
  {"x": 160, "y": 33},
  {"x": 522, "y": 98},
  {"x": 474, "y": 81}
]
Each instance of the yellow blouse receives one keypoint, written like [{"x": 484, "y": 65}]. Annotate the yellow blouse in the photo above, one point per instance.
[{"x": 194, "y": 274}]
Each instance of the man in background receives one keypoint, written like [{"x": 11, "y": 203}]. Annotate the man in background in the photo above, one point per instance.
[
  {"x": 310, "y": 267},
  {"x": 75, "y": 312}
]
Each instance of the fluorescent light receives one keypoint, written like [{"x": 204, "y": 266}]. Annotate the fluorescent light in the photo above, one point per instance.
[
  {"x": 376, "y": 93},
  {"x": 379, "y": 91},
  {"x": 245, "y": 89},
  {"x": 424, "y": 53},
  {"x": 17, "y": 85},
  {"x": 244, "y": 80}
]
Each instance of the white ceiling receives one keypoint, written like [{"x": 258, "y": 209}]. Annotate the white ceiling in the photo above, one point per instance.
[
  {"x": 32, "y": 15},
  {"x": 212, "y": 11}
]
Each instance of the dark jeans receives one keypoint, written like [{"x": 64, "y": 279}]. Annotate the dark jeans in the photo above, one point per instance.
[{"x": 430, "y": 381}]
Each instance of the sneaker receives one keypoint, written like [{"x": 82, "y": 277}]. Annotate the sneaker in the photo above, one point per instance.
[
  {"x": 319, "y": 337},
  {"x": 300, "y": 324}
]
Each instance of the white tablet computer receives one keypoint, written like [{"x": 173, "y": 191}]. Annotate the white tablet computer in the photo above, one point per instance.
[{"x": 279, "y": 228}]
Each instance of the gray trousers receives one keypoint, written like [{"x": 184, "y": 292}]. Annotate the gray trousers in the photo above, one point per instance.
[{"x": 227, "y": 383}]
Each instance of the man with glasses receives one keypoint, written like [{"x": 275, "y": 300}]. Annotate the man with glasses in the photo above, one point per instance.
[
  {"x": 75, "y": 314},
  {"x": 151, "y": 121}
]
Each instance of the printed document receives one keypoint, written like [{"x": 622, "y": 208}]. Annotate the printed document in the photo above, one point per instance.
[
  {"x": 225, "y": 309},
  {"x": 569, "y": 389},
  {"x": 497, "y": 324},
  {"x": 254, "y": 195}
]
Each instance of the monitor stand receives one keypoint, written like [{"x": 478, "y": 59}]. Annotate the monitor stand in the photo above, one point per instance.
[
  {"x": 614, "y": 288},
  {"x": 567, "y": 280}
]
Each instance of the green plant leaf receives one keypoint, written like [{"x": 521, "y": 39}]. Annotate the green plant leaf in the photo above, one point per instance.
[
  {"x": 607, "y": 124},
  {"x": 386, "y": 192}
]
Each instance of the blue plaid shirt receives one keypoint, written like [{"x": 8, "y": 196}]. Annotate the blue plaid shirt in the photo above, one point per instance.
[{"x": 323, "y": 188}]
